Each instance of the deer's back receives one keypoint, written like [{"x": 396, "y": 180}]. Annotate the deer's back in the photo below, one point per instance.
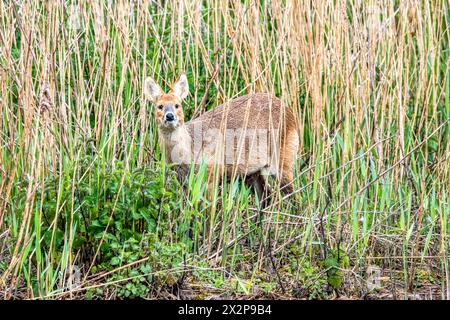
[{"x": 253, "y": 111}]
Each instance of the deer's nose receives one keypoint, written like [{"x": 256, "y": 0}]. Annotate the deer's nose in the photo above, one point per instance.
[{"x": 170, "y": 117}]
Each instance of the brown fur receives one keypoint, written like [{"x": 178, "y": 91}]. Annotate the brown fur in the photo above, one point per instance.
[
  {"x": 166, "y": 99},
  {"x": 258, "y": 111},
  {"x": 248, "y": 112}
]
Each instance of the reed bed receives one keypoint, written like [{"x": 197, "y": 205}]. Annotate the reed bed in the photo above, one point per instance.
[{"x": 88, "y": 208}]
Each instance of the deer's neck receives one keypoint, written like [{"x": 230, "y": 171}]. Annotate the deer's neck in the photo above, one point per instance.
[{"x": 177, "y": 145}]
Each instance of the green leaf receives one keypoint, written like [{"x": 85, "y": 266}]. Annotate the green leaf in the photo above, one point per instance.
[{"x": 115, "y": 261}]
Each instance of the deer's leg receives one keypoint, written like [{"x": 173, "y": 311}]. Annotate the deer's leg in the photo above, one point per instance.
[
  {"x": 261, "y": 187},
  {"x": 286, "y": 174},
  {"x": 288, "y": 154},
  {"x": 287, "y": 182}
]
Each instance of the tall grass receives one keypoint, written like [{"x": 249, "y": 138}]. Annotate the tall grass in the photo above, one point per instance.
[{"x": 84, "y": 191}]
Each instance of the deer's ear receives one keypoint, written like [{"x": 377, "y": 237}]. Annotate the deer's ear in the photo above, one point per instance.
[
  {"x": 152, "y": 90},
  {"x": 181, "y": 87}
]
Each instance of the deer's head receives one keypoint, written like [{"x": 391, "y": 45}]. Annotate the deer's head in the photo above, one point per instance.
[{"x": 168, "y": 111}]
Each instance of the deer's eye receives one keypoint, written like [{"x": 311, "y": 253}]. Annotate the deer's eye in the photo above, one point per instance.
[
  {"x": 177, "y": 106},
  {"x": 160, "y": 107}
]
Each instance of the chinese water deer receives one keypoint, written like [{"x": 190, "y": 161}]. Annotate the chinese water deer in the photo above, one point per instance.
[{"x": 252, "y": 136}]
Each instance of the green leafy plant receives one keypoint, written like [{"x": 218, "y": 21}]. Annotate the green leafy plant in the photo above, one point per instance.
[{"x": 333, "y": 264}]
